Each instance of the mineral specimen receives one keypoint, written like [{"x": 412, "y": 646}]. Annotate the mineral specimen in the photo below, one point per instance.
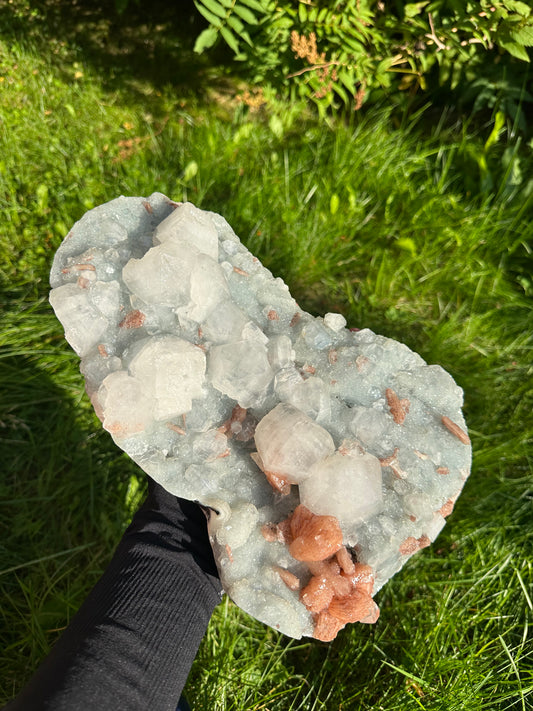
[{"x": 328, "y": 456}]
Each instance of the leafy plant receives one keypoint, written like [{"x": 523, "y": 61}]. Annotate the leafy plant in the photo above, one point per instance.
[
  {"x": 335, "y": 51},
  {"x": 229, "y": 19}
]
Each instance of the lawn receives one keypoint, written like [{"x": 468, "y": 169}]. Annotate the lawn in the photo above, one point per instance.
[{"x": 370, "y": 215}]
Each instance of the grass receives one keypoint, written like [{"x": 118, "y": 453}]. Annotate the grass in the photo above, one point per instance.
[{"x": 361, "y": 217}]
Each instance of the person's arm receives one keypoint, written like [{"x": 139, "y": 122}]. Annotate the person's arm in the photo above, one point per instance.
[{"x": 132, "y": 643}]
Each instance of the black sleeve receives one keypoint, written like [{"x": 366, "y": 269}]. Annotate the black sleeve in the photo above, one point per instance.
[{"x": 133, "y": 641}]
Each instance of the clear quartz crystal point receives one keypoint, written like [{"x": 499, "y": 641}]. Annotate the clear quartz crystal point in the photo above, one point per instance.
[{"x": 328, "y": 457}]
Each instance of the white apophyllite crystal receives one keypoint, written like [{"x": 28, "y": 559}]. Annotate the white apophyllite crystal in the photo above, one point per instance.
[
  {"x": 238, "y": 529},
  {"x": 192, "y": 226},
  {"x": 225, "y": 323},
  {"x": 280, "y": 352},
  {"x": 347, "y": 486},
  {"x": 84, "y": 324},
  {"x": 327, "y": 456},
  {"x": 172, "y": 372},
  {"x": 240, "y": 370},
  {"x": 208, "y": 288},
  {"x": 105, "y": 295},
  {"x": 336, "y": 322},
  {"x": 123, "y": 405},
  {"x": 162, "y": 276},
  {"x": 312, "y": 397},
  {"x": 290, "y": 443}
]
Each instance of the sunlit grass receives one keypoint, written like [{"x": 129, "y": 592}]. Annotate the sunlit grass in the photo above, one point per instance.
[{"x": 364, "y": 219}]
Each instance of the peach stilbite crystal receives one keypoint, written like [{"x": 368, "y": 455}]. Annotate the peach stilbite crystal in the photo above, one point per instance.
[{"x": 314, "y": 537}]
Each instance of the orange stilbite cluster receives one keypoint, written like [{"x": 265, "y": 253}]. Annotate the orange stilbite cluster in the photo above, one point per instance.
[
  {"x": 314, "y": 538},
  {"x": 339, "y": 591}
]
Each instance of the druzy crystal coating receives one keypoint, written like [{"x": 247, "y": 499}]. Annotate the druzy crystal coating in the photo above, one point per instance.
[{"x": 328, "y": 456}]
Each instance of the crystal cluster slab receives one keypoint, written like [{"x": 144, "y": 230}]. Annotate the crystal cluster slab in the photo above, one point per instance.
[{"x": 329, "y": 456}]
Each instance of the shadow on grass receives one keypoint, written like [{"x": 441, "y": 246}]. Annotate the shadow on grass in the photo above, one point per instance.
[
  {"x": 62, "y": 506},
  {"x": 150, "y": 42}
]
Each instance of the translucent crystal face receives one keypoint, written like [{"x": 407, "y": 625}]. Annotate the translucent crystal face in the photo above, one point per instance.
[
  {"x": 241, "y": 370},
  {"x": 345, "y": 485},
  {"x": 328, "y": 456},
  {"x": 172, "y": 372},
  {"x": 290, "y": 443}
]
